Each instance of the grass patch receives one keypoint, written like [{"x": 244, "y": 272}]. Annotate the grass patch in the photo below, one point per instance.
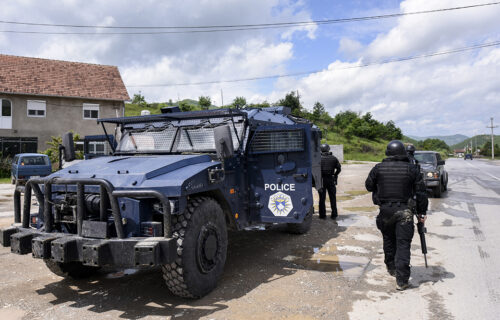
[
  {"x": 5, "y": 180},
  {"x": 356, "y": 148},
  {"x": 364, "y": 209},
  {"x": 357, "y": 192}
]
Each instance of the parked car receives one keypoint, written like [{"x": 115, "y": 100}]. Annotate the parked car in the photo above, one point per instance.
[
  {"x": 468, "y": 156},
  {"x": 30, "y": 165},
  {"x": 433, "y": 170}
]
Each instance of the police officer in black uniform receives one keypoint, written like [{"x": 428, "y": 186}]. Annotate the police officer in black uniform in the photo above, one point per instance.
[
  {"x": 395, "y": 182},
  {"x": 330, "y": 169},
  {"x": 410, "y": 150}
]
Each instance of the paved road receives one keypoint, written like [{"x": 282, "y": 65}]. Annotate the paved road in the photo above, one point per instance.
[
  {"x": 336, "y": 271},
  {"x": 463, "y": 281}
]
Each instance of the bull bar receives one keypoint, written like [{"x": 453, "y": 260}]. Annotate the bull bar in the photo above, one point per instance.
[{"x": 90, "y": 250}]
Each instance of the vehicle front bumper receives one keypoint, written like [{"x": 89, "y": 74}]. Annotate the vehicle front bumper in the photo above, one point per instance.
[{"x": 64, "y": 248}]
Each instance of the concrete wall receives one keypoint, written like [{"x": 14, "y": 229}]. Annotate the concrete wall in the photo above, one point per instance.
[
  {"x": 62, "y": 115},
  {"x": 338, "y": 151}
]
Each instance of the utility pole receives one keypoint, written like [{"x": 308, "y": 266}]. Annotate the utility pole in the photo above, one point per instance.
[
  {"x": 221, "y": 97},
  {"x": 492, "y": 139}
]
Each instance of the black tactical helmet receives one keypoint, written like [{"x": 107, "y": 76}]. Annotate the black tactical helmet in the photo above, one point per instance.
[
  {"x": 395, "y": 148},
  {"x": 325, "y": 147},
  {"x": 410, "y": 149}
]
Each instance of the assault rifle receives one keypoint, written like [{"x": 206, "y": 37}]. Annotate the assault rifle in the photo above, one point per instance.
[
  {"x": 420, "y": 228},
  {"x": 421, "y": 232}
]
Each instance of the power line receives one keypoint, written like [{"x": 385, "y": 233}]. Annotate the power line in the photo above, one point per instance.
[
  {"x": 219, "y": 28},
  {"x": 363, "y": 65}
]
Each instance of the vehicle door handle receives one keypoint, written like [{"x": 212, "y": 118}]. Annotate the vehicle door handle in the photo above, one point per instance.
[{"x": 300, "y": 175}]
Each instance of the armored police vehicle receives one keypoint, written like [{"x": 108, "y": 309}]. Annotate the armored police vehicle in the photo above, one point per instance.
[{"x": 175, "y": 184}]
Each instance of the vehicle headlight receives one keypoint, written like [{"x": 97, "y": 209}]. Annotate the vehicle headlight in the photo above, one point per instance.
[{"x": 434, "y": 175}]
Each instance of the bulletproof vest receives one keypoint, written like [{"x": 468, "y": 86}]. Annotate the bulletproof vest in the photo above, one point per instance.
[
  {"x": 394, "y": 182},
  {"x": 328, "y": 164}
]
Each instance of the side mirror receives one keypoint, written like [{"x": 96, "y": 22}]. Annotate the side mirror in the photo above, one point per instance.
[
  {"x": 69, "y": 147},
  {"x": 223, "y": 142},
  {"x": 441, "y": 163}
]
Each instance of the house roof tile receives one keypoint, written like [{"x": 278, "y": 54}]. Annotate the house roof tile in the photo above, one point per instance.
[{"x": 23, "y": 75}]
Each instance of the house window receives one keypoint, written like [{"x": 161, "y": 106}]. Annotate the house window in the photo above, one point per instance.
[
  {"x": 36, "y": 108},
  {"x": 6, "y": 114},
  {"x": 97, "y": 147},
  {"x": 90, "y": 111}
]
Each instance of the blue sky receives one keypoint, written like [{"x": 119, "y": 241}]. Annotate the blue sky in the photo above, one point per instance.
[{"x": 441, "y": 95}]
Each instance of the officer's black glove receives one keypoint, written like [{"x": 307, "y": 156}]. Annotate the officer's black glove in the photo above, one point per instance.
[{"x": 335, "y": 179}]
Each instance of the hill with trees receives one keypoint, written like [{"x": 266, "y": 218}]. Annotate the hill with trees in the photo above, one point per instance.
[
  {"x": 478, "y": 140},
  {"x": 449, "y": 140}
]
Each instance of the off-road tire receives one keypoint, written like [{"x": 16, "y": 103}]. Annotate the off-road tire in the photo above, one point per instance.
[
  {"x": 438, "y": 190},
  {"x": 75, "y": 270},
  {"x": 201, "y": 249},
  {"x": 301, "y": 228}
]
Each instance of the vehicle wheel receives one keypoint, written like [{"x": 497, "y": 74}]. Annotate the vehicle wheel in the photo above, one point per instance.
[
  {"x": 201, "y": 249},
  {"x": 301, "y": 228},
  {"x": 437, "y": 191},
  {"x": 75, "y": 270},
  {"x": 13, "y": 180}
]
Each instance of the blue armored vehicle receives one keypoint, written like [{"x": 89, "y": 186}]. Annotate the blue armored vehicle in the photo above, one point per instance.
[{"x": 175, "y": 184}]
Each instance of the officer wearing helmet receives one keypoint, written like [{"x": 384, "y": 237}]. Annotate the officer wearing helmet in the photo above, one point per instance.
[
  {"x": 330, "y": 169},
  {"x": 395, "y": 182},
  {"x": 410, "y": 150}
]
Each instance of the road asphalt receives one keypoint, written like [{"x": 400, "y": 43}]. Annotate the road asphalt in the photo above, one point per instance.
[{"x": 336, "y": 271}]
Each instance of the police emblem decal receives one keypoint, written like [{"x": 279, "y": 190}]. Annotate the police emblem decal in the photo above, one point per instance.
[{"x": 280, "y": 204}]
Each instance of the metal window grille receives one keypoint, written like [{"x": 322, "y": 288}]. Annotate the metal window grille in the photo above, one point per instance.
[{"x": 273, "y": 141}]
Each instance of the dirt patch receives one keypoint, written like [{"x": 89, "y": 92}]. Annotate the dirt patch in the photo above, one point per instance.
[
  {"x": 365, "y": 209},
  {"x": 357, "y": 192},
  {"x": 344, "y": 198}
]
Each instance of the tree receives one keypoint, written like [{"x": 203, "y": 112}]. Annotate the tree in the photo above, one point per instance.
[
  {"x": 53, "y": 149},
  {"x": 292, "y": 100},
  {"x": 139, "y": 100},
  {"x": 239, "y": 102},
  {"x": 433, "y": 145},
  {"x": 264, "y": 104},
  {"x": 205, "y": 102},
  {"x": 486, "y": 149},
  {"x": 318, "y": 111}
]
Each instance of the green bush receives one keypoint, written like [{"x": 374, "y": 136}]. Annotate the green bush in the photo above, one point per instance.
[{"x": 5, "y": 167}]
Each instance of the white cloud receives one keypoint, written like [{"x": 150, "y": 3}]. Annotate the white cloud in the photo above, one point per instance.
[
  {"x": 441, "y": 95},
  {"x": 253, "y": 58}
]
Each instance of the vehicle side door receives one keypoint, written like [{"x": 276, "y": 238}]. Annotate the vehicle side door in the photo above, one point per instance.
[
  {"x": 279, "y": 173},
  {"x": 15, "y": 164}
]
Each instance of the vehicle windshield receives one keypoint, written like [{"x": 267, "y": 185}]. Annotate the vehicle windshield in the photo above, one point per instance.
[
  {"x": 177, "y": 136},
  {"x": 34, "y": 161},
  {"x": 425, "y": 157}
]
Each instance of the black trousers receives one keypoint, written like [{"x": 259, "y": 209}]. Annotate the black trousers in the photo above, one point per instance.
[
  {"x": 396, "y": 225},
  {"x": 328, "y": 185}
]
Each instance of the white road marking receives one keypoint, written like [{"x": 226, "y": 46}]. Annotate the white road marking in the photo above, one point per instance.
[{"x": 470, "y": 164}]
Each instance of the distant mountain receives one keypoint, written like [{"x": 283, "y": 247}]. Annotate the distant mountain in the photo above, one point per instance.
[
  {"x": 450, "y": 140},
  {"x": 478, "y": 140}
]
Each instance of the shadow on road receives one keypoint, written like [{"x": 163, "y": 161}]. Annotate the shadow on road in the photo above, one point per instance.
[
  {"x": 421, "y": 274},
  {"x": 254, "y": 258}
]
